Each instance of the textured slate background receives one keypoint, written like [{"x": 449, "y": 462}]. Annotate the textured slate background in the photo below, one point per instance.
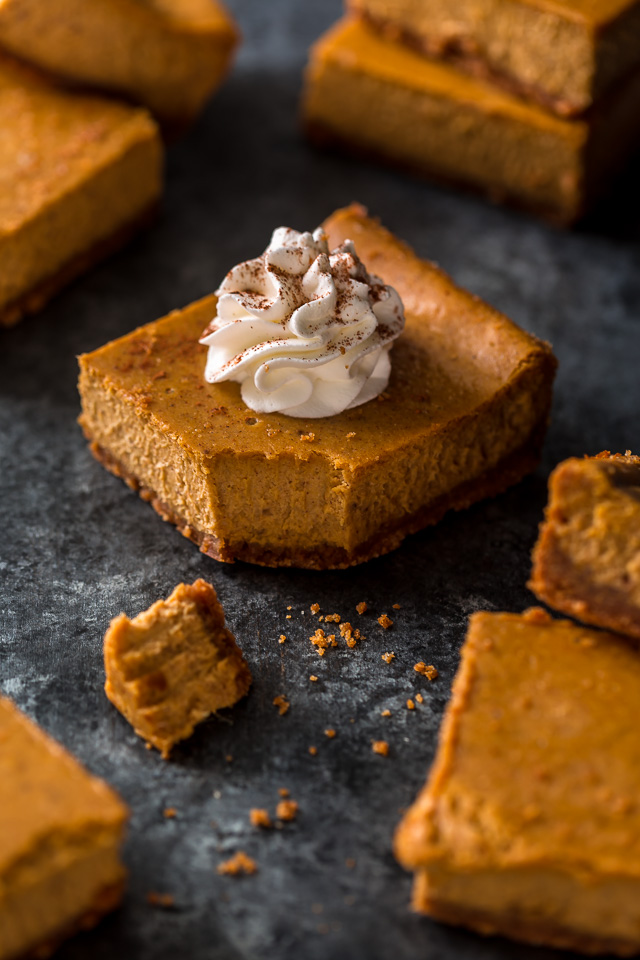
[{"x": 76, "y": 547}]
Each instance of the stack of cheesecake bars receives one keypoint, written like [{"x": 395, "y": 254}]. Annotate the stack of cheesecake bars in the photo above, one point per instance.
[{"x": 532, "y": 102}]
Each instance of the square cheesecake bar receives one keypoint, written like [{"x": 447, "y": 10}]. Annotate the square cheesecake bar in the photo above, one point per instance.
[
  {"x": 169, "y": 55},
  {"x": 587, "y": 559},
  {"x": 78, "y": 175},
  {"x": 380, "y": 98},
  {"x": 60, "y": 834},
  {"x": 529, "y": 825},
  {"x": 565, "y": 54},
  {"x": 173, "y": 665},
  {"x": 463, "y": 417}
]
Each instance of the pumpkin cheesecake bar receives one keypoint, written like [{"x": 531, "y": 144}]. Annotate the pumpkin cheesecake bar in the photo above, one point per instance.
[
  {"x": 587, "y": 559},
  {"x": 565, "y": 54},
  {"x": 60, "y": 835},
  {"x": 168, "y": 55},
  {"x": 173, "y": 665},
  {"x": 462, "y": 418},
  {"x": 529, "y": 825},
  {"x": 378, "y": 97},
  {"x": 78, "y": 175}
]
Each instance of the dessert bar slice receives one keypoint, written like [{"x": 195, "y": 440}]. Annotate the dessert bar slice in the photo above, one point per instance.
[
  {"x": 379, "y": 97},
  {"x": 173, "y": 665},
  {"x": 587, "y": 559},
  {"x": 166, "y": 54},
  {"x": 529, "y": 825},
  {"x": 78, "y": 175},
  {"x": 60, "y": 835},
  {"x": 565, "y": 55},
  {"x": 463, "y": 417}
]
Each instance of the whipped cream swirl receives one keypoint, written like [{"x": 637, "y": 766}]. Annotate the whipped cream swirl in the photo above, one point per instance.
[{"x": 306, "y": 332}]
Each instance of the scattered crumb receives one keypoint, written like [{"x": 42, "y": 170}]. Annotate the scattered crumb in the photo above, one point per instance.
[
  {"x": 386, "y": 713},
  {"x": 237, "y": 864},
  {"x": 396, "y": 606},
  {"x": 229, "y": 758},
  {"x": 288, "y": 616},
  {"x": 332, "y": 618},
  {"x": 287, "y": 810},
  {"x": 381, "y": 747},
  {"x": 289, "y": 607},
  {"x": 315, "y": 608},
  {"x": 160, "y": 900},
  {"x": 419, "y": 698},
  {"x": 330, "y": 732},
  {"x": 282, "y": 638},
  {"x": 259, "y": 818},
  {"x": 313, "y": 751},
  {"x": 361, "y": 607},
  {"x": 388, "y": 657},
  {"x": 149, "y": 746},
  {"x": 427, "y": 670},
  {"x": 283, "y": 792},
  {"x": 410, "y": 705},
  {"x": 321, "y": 641},
  {"x": 385, "y": 621},
  {"x": 350, "y": 863},
  {"x": 313, "y": 678},
  {"x": 169, "y": 813},
  {"x": 282, "y": 704}
]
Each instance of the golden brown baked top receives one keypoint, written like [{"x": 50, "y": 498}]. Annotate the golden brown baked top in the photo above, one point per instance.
[
  {"x": 449, "y": 334},
  {"x": 362, "y": 49},
  {"x": 593, "y": 13},
  {"x": 52, "y": 140},
  {"x": 539, "y": 761},
  {"x": 47, "y": 798}
]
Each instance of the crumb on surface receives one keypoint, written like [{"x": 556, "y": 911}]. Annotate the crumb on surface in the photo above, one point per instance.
[
  {"x": 238, "y": 864},
  {"x": 381, "y": 747},
  {"x": 396, "y": 606},
  {"x": 385, "y": 621},
  {"x": 350, "y": 863},
  {"x": 313, "y": 678},
  {"x": 160, "y": 899},
  {"x": 388, "y": 657},
  {"x": 315, "y": 608},
  {"x": 169, "y": 812},
  {"x": 410, "y": 705},
  {"x": 258, "y": 817},
  {"x": 361, "y": 607},
  {"x": 332, "y": 618},
  {"x": 349, "y": 635},
  {"x": 427, "y": 670},
  {"x": 385, "y": 713},
  {"x": 289, "y": 607},
  {"x": 281, "y": 703},
  {"x": 229, "y": 758},
  {"x": 281, "y": 638},
  {"x": 419, "y": 698},
  {"x": 321, "y": 641},
  {"x": 288, "y": 616},
  {"x": 287, "y": 810},
  {"x": 313, "y": 751},
  {"x": 283, "y": 792},
  {"x": 330, "y": 732}
]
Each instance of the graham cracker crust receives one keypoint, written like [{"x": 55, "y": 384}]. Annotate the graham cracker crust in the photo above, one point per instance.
[
  {"x": 506, "y": 473},
  {"x": 536, "y": 932},
  {"x": 105, "y": 900},
  {"x": 35, "y": 299}
]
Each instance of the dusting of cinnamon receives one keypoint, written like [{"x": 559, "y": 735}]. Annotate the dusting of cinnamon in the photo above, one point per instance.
[
  {"x": 282, "y": 704},
  {"x": 236, "y": 865}
]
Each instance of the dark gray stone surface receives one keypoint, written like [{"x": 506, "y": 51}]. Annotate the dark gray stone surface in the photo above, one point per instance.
[{"x": 77, "y": 547}]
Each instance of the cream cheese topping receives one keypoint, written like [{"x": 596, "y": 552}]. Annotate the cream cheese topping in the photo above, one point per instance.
[{"x": 306, "y": 332}]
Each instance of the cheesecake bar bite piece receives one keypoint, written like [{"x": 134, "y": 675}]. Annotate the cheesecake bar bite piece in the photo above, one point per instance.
[
  {"x": 60, "y": 834},
  {"x": 462, "y": 418},
  {"x": 380, "y": 98},
  {"x": 78, "y": 175},
  {"x": 529, "y": 825},
  {"x": 564, "y": 54},
  {"x": 587, "y": 559},
  {"x": 173, "y": 665},
  {"x": 169, "y": 55}
]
